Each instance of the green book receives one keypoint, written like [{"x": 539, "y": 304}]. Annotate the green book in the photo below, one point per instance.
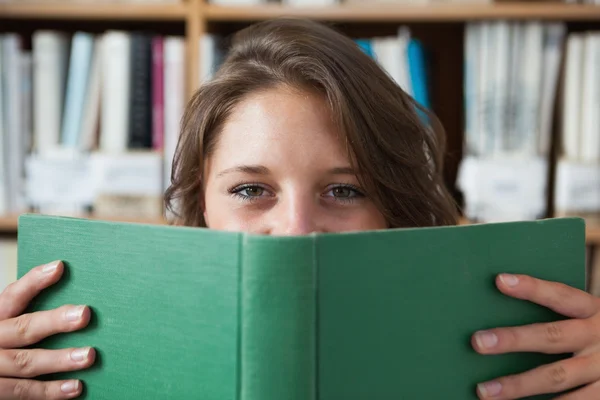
[{"x": 189, "y": 313}]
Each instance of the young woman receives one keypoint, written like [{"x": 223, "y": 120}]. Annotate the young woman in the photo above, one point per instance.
[{"x": 301, "y": 132}]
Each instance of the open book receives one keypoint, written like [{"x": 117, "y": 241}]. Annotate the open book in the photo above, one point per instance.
[{"x": 189, "y": 313}]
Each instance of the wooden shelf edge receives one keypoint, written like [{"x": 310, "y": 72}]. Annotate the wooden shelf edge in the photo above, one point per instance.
[
  {"x": 417, "y": 12},
  {"x": 95, "y": 11},
  {"x": 8, "y": 224}
]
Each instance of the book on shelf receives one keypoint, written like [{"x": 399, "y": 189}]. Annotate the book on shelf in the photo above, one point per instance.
[
  {"x": 402, "y": 56},
  {"x": 577, "y": 188},
  {"x": 182, "y": 312},
  {"x": 79, "y": 94},
  {"x": 511, "y": 74}
]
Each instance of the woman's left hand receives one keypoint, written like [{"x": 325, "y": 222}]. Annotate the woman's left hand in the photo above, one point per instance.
[{"x": 579, "y": 335}]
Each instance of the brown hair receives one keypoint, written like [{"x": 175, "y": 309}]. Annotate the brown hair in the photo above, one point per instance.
[{"x": 396, "y": 146}]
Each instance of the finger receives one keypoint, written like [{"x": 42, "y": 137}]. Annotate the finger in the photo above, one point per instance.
[
  {"x": 585, "y": 393},
  {"x": 558, "y": 297},
  {"x": 11, "y": 389},
  {"x": 18, "y": 294},
  {"x": 550, "y": 378},
  {"x": 27, "y": 329},
  {"x": 569, "y": 336},
  {"x": 32, "y": 363}
]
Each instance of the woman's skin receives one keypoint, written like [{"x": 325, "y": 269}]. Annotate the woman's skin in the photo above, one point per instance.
[{"x": 280, "y": 168}]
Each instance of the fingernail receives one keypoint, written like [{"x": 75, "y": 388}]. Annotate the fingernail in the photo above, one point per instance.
[
  {"x": 486, "y": 339},
  {"x": 490, "y": 389},
  {"x": 509, "y": 280},
  {"x": 80, "y": 354},
  {"x": 75, "y": 313},
  {"x": 50, "y": 267},
  {"x": 70, "y": 386}
]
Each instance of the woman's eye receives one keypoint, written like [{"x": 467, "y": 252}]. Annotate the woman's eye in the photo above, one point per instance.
[
  {"x": 249, "y": 192},
  {"x": 342, "y": 192},
  {"x": 252, "y": 191}
]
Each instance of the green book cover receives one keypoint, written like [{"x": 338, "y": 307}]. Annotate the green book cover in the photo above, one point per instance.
[{"x": 182, "y": 312}]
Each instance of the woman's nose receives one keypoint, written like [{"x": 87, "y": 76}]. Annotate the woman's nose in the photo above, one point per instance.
[{"x": 295, "y": 217}]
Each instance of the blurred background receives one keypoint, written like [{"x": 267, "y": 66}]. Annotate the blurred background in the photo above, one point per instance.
[{"x": 92, "y": 91}]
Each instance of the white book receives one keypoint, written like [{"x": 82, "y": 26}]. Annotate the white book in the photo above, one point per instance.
[
  {"x": 531, "y": 82},
  {"x": 116, "y": 76},
  {"x": 384, "y": 49},
  {"x": 208, "y": 49},
  {"x": 91, "y": 111},
  {"x": 515, "y": 91},
  {"x": 11, "y": 48},
  {"x": 390, "y": 52},
  {"x": 589, "y": 145},
  {"x": 572, "y": 98},
  {"x": 486, "y": 139},
  {"x": 27, "y": 103},
  {"x": 401, "y": 55},
  {"x": 471, "y": 88},
  {"x": 500, "y": 90},
  {"x": 50, "y": 57},
  {"x": 82, "y": 48},
  {"x": 174, "y": 69},
  {"x": 554, "y": 34}
]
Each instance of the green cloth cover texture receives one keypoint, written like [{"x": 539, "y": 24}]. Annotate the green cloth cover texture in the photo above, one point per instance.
[{"x": 189, "y": 313}]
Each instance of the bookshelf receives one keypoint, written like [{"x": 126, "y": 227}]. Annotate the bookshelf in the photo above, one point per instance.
[{"x": 198, "y": 17}]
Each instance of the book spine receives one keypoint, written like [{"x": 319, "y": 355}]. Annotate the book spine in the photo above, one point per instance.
[
  {"x": 572, "y": 96},
  {"x": 12, "y": 49},
  {"x": 277, "y": 319},
  {"x": 174, "y": 94},
  {"x": 79, "y": 69},
  {"x": 115, "y": 101},
  {"x": 158, "y": 103},
  {"x": 140, "y": 124},
  {"x": 50, "y": 59},
  {"x": 91, "y": 113}
]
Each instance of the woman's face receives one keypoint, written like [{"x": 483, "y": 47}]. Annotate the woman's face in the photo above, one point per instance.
[{"x": 280, "y": 168}]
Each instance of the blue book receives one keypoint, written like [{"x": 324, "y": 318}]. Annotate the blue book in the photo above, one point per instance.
[
  {"x": 366, "y": 46},
  {"x": 77, "y": 84},
  {"x": 417, "y": 65}
]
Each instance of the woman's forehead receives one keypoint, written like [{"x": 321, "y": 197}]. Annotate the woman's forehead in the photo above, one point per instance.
[{"x": 280, "y": 126}]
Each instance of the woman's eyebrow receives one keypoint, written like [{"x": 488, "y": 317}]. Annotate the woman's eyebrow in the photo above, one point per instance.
[
  {"x": 342, "y": 171},
  {"x": 248, "y": 169}
]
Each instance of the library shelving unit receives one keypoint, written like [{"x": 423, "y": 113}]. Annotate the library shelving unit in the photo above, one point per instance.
[{"x": 439, "y": 26}]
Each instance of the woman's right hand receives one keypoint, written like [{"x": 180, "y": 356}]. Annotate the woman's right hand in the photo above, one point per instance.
[{"x": 19, "y": 366}]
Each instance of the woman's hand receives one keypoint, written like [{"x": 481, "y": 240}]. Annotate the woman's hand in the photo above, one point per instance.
[
  {"x": 19, "y": 366},
  {"x": 579, "y": 335}
]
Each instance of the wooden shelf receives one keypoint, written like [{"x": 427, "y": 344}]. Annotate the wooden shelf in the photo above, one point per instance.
[
  {"x": 9, "y": 224},
  {"x": 94, "y": 11},
  {"x": 424, "y": 13}
]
